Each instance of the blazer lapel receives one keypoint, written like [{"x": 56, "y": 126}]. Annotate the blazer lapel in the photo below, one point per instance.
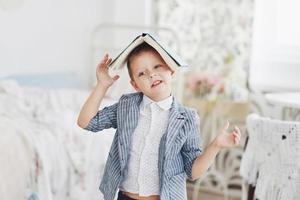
[
  {"x": 176, "y": 120},
  {"x": 128, "y": 118}
]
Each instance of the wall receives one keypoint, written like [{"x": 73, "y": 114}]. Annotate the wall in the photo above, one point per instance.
[
  {"x": 55, "y": 35},
  {"x": 215, "y": 38}
]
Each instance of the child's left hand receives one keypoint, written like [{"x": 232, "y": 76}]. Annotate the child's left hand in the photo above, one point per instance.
[{"x": 226, "y": 139}]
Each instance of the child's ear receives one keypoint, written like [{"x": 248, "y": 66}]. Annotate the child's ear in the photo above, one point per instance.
[{"x": 134, "y": 85}]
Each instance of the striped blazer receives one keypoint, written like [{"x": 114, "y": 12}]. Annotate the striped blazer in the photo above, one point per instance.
[{"x": 179, "y": 146}]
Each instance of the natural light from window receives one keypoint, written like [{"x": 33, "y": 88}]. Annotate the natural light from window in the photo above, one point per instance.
[{"x": 275, "y": 59}]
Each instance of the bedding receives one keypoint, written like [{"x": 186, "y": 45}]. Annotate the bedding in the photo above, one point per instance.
[
  {"x": 47, "y": 80},
  {"x": 43, "y": 153}
]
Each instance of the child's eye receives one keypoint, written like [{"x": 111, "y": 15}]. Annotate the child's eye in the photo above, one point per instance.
[
  {"x": 157, "y": 66},
  {"x": 141, "y": 74}
]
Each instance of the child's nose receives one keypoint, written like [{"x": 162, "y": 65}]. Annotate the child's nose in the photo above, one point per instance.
[{"x": 152, "y": 74}]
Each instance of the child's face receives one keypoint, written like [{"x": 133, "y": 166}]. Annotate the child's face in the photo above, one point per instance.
[{"x": 151, "y": 75}]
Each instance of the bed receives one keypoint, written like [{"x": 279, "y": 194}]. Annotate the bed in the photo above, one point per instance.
[{"x": 44, "y": 154}]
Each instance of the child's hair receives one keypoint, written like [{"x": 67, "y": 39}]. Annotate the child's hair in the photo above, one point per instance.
[{"x": 141, "y": 48}]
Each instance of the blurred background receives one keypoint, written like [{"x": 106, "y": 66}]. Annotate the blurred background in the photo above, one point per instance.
[{"x": 243, "y": 57}]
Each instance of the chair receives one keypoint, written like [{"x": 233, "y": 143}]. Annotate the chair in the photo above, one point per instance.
[{"x": 271, "y": 160}]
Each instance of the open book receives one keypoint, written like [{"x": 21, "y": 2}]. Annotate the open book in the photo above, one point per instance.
[{"x": 170, "y": 58}]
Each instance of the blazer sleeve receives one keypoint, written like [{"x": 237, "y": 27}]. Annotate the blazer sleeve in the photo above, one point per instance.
[
  {"x": 191, "y": 148},
  {"x": 104, "y": 119}
]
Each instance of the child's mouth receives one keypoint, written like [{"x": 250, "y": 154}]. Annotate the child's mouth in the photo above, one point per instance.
[{"x": 156, "y": 83}]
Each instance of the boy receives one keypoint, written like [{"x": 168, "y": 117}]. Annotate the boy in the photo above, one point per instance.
[{"x": 156, "y": 144}]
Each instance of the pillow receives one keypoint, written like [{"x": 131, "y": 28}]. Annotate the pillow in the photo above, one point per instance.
[{"x": 54, "y": 80}]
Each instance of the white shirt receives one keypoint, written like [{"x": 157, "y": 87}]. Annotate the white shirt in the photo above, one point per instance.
[{"x": 142, "y": 177}]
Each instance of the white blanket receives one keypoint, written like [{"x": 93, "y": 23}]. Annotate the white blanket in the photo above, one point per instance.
[{"x": 43, "y": 153}]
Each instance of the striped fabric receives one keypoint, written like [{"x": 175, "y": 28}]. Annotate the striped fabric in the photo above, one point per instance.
[{"x": 179, "y": 146}]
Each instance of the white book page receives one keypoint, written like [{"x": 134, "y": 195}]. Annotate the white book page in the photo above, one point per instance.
[
  {"x": 171, "y": 63},
  {"x": 119, "y": 61}
]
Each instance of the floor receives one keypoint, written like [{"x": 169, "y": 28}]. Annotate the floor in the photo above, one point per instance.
[{"x": 206, "y": 195}]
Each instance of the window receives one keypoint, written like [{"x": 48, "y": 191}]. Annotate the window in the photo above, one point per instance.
[{"x": 275, "y": 62}]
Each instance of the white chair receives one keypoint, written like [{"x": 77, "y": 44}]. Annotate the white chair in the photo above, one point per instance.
[{"x": 271, "y": 160}]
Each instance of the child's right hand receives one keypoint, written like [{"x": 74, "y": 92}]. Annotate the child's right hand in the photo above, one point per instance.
[{"x": 103, "y": 77}]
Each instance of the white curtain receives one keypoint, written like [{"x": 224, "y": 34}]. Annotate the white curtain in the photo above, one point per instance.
[{"x": 275, "y": 63}]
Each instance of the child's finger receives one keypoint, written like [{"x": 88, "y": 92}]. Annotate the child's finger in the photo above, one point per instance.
[
  {"x": 104, "y": 59},
  {"x": 236, "y": 141},
  {"x": 236, "y": 135},
  {"x": 108, "y": 61},
  {"x": 103, "y": 63},
  {"x": 101, "y": 66},
  {"x": 237, "y": 129},
  {"x": 116, "y": 77}
]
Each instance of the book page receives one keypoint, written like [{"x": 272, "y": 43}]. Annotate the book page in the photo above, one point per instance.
[
  {"x": 171, "y": 63},
  {"x": 120, "y": 60}
]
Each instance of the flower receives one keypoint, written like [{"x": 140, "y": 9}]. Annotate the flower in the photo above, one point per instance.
[{"x": 204, "y": 86}]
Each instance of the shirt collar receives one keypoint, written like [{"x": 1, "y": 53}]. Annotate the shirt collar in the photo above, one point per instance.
[{"x": 163, "y": 104}]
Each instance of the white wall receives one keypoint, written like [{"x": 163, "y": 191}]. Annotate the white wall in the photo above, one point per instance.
[{"x": 51, "y": 35}]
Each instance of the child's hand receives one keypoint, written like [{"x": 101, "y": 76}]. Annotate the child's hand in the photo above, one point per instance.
[
  {"x": 102, "y": 74},
  {"x": 225, "y": 139}
]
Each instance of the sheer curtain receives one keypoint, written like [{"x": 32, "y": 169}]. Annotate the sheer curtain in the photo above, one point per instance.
[{"x": 275, "y": 61}]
